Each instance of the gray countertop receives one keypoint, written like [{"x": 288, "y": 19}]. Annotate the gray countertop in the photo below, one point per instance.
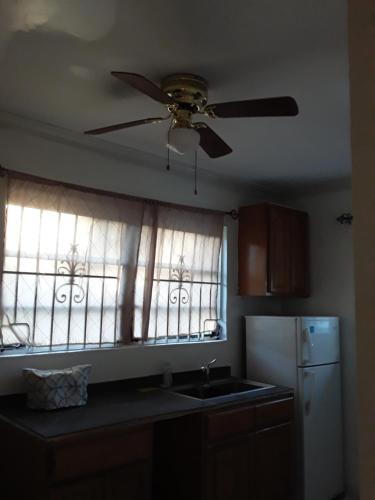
[{"x": 124, "y": 407}]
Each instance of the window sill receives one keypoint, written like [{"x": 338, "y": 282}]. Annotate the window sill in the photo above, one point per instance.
[{"x": 25, "y": 353}]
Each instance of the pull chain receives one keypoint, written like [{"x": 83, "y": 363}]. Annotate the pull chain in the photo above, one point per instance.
[
  {"x": 168, "y": 166},
  {"x": 195, "y": 173},
  {"x": 168, "y": 150}
]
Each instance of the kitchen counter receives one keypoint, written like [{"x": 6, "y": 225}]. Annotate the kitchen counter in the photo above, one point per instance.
[
  {"x": 113, "y": 407},
  {"x": 131, "y": 431}
]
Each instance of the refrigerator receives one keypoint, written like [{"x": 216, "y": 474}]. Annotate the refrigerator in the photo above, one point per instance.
[{"x": 304, "y": 353}]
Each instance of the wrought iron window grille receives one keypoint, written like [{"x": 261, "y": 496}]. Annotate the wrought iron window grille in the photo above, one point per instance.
[
  {"x": 73, "y": 268},
  {"x": 180, "y": 278},
  {"x": 181, "y": 275},
  {"x": 70, "y": 281}
]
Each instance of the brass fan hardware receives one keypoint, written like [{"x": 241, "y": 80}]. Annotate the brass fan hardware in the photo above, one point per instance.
[
  {"x": 185, "y": 95},
  {"x": 188, "y": 91}
]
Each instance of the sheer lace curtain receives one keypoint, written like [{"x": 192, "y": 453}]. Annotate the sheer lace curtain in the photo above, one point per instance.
[
  {"x": 69, "y": 264},
  {"x": 87, "y": 269},
  {"x": 178, "y": 279}
]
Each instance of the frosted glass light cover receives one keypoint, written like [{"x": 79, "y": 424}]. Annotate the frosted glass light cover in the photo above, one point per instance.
[{"x": 183, "y": 140}]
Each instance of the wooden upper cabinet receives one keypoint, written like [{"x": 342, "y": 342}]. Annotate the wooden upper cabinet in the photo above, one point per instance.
[
  {"x": 273, "y": 251},
  {"x": 300, "y": 254},
  {"x": 279, "y": 251}
]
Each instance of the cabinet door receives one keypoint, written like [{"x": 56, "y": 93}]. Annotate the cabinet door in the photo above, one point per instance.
[
  {"x": 80, "y": 489},
  {"x": 230, "y": 469},
  {"x": 274, "y": 463},
  {"x": 253, "y": 250},
  {"x": 299, "y": 252},
  {"x": 279, "y": 263},
  {"x": 131, "y": 482}
]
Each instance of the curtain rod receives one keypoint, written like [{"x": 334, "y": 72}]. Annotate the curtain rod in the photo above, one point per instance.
[{"x": 78, "y": 187}]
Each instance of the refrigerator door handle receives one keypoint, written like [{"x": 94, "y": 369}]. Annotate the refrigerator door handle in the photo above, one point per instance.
[
  {"x": 308, "y": 391},
  {"x": 306, "y": 346}
]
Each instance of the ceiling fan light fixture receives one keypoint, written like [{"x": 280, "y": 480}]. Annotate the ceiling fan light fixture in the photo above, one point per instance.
[{"x": 183, "y": 140}]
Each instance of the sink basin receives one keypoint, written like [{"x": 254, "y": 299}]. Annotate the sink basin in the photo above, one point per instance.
[{"x": 217, "y": 389}]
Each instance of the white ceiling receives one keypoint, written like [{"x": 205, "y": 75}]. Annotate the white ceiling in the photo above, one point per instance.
[{"x": 56, "y": 55}]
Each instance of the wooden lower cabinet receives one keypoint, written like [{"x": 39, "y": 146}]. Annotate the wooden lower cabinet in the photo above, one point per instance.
[
  {"x": 241, "y": 453},
  {"x": 80, "y": 489},
  {"x": 256, "y": 467},
  {"x": 132, "y": 482},
  {"x": 104, "y": 464},
  {"x": 274, "y": 463},
  {"x": 230, "y": 468},
  {"x": 108, "y": 463}
]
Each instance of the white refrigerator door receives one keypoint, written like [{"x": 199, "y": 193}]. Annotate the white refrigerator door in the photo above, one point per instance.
[
  {"x": 318, "y": 341},
  {"x": 321, "y": 417},
  {"x": 271, "y": 349}
]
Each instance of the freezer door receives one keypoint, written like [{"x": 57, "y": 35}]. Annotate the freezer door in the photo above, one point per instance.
[
  {"x": 271, "y": 349},
  {"x": 318, "y": 341},
  {"x": 321, "y": 417}
]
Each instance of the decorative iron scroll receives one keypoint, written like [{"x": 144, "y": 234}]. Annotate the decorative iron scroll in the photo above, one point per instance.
[
  {"x": 181, "y": 275},
  {"x": 72, "y": 267}
]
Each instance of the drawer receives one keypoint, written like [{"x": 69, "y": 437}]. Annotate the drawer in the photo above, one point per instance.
[
  {"x": 274, "y": 413},
  {"x": 224, "y": 424},
  {"x": 91, "y": 452}
]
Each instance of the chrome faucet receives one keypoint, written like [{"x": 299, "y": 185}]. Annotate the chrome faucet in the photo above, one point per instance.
[{"x": 206, "y": 371}]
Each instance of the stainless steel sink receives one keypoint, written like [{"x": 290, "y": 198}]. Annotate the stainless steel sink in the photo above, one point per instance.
[{"x": 221, "y": 388}]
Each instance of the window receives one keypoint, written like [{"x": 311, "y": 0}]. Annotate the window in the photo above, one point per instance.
[
  {"x": 179, "y": 281},
  {"x": 188, "y": 288},
  {"x": 61, "y": 276},
  {"x": 90, "y": 270}
]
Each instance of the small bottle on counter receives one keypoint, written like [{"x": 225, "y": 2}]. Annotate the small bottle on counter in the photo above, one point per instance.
[{"x": 167, "y": 376}]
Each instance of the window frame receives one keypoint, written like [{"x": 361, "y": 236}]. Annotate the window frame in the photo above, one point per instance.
[
  {"x": 74, "y": 274},
  {"x": 208, "y": 335},
  {"x": 177, "y": 339}
]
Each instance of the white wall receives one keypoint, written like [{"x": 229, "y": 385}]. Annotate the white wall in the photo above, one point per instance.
[
  {"x": 332, "y": 293},
  {"x": 25, "y": 149}
]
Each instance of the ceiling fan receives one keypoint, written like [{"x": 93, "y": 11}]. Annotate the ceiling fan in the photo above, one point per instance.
[{"x": 185, "y": 97}]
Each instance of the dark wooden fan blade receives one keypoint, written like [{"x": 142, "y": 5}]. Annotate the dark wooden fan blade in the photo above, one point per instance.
[
  {"x": 144, "y": 85},
  {"x": 211, "y": 142},
  {"x": 119, "y": 126},
  {"x": 273, "y": 106}
]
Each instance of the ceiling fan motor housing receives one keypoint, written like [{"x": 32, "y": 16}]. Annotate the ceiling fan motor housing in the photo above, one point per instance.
[{"x": 189, "y": 91}]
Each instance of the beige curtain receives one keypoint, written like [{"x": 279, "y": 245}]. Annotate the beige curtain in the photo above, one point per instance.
[
  {"x": 81, "y": 268},
  {"x": 69, "y": 264},
  {"x": 178, "y": 274}
]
